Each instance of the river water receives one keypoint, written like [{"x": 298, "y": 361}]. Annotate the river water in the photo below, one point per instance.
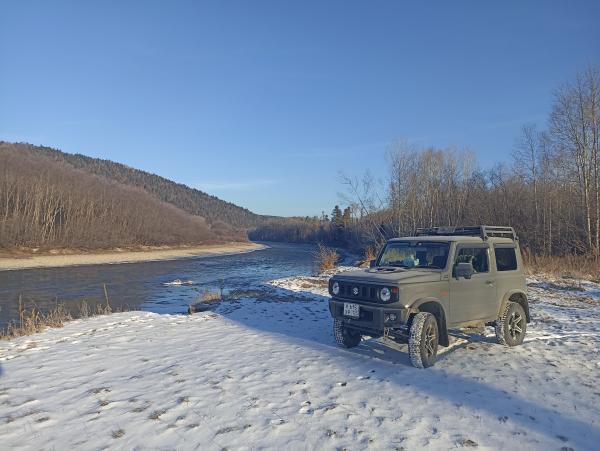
[{"x": 145, "y": 286}]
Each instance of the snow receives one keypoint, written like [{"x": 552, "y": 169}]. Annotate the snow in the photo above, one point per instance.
[
  {"x": 178, "y": 282},
  {"x": 264, "y": 372}
]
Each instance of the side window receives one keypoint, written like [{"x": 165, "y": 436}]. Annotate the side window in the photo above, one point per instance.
[
  {"x": 506, "y": 258},
  {"x": 478, "y": 257}
]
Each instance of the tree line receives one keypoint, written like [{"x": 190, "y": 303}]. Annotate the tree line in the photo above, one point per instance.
[{"x": 549, "y": 191}]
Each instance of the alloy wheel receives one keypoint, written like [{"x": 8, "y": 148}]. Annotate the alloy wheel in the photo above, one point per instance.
[
  {"x": 430, "y": 340},
  {"x": 515, "y": 325}
]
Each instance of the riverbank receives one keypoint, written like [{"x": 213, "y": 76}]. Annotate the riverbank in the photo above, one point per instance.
[
  {"x": 263, "y": 371},
  {"x": 124, "y": 256}
]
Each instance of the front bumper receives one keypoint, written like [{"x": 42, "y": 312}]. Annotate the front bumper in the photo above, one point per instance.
[{"x": 373, "y": 318}]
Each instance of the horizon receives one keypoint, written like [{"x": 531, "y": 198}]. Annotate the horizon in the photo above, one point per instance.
[{"x": 290, "y": 94}]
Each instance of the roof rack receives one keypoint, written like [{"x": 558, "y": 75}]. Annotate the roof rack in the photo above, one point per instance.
[{"x": 481, "y": 230}]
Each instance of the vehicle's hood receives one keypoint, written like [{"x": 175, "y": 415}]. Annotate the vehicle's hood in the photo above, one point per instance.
[{"x": 389, "y": 276}]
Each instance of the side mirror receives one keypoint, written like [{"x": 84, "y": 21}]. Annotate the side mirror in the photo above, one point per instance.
[
  {"x": 373, "y": 264},
  {"x": 463, "y": 270}
]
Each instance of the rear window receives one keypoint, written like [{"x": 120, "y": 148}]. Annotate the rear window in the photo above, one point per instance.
[{"x": 506, "y": 258}]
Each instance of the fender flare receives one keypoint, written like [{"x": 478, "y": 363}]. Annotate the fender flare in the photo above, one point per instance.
[
  {"x": 519, "y": 296},
  {"x": 434, "y": 306}
]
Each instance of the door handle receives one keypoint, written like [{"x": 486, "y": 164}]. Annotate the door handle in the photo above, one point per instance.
[{"x": 489, "y": 283}]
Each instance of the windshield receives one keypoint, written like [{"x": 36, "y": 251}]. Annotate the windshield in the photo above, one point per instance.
[{"x": 415, "y": 254}]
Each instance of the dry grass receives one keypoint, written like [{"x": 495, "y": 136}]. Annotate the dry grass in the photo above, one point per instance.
[
  {"x": 574, "y": 266},
  {"x": 33, "y": 320},
  {"x": 326, "y": 258},
  {"x": 211, "y": 296},
  {"x": 206, "y": 300},
  {"x": 370, "y": 253}
]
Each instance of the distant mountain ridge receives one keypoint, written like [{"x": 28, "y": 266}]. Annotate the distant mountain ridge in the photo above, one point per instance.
[{"x": 190, "y": 200}]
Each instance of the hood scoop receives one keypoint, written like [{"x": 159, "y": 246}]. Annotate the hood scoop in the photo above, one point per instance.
[{"x": 385, "y": 269}]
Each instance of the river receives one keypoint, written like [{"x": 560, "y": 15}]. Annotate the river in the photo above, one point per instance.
[{"x": 145, "y": 286}]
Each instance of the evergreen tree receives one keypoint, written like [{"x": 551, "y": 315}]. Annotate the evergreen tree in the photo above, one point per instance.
[
  {"x": 336, "y": 216},
  {"x": 346, "y": 216},
  {"x": 337, "y": 224}
]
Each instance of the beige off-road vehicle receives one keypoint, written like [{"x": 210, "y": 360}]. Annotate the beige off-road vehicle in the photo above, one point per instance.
[{"x": 442, "y": 278}]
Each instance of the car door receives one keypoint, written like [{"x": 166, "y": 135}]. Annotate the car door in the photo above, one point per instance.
[{"x": 472, "y": 299}]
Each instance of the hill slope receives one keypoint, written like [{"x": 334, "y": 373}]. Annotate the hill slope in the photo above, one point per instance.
[
  {"x": 52, "y": 199},
  {"x": 188, "y": 199}
]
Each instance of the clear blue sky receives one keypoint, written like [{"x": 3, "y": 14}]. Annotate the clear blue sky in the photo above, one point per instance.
[{"x": 262, "y": 103}]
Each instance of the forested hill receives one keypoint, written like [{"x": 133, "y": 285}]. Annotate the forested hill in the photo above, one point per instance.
[
  {"x": 190, "y": 200},
  {"x": 53, "y": 200}
]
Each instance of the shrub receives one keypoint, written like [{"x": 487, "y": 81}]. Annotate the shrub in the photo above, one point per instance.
[{"x": 326, "y": 257}]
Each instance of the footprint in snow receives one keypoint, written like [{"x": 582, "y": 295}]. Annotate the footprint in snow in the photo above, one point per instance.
[
  {"x": 142, "y": 408},
  {"x": 306, "y": 408},
  {"x": 99, "y": 390},
  {"x": 118, "y": 434},
  {"x": 229, "y": 429},
  {"x": 157, "y": 414}
]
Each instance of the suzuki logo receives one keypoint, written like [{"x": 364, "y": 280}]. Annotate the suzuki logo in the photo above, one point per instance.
[{"x": 355, "y": 291}]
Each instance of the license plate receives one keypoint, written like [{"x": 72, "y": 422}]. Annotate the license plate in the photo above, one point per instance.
[{"x": 351, "y": 310}]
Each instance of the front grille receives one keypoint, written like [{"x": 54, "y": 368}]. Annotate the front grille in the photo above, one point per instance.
[{"x": 358, "y": 291}]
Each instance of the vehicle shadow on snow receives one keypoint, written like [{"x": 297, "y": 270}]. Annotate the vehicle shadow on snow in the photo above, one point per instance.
[{"x": 306, "y": 316}]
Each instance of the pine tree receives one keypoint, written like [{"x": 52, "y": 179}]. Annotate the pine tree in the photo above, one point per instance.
[
  {"x": 336, "y": 216},
  {"x": 346, "y": 216},
  {"x": 337, "y": 224}
]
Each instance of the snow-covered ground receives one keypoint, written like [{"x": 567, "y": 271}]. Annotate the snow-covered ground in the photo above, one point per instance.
[{"x": 262, "y": 371}]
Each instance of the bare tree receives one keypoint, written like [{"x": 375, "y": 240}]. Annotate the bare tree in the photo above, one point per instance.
[{"x": 574, "y": 129}]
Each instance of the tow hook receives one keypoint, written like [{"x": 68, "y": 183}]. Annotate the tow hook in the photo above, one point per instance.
[{"x": 387, "y": 336}]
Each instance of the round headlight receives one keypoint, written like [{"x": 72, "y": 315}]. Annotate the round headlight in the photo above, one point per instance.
[
  {"x": 335, "y": 288},
  {"x": 385, "y": 294}
]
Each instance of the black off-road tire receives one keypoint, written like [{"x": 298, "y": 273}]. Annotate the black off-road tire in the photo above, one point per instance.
[
  {"x": 512, "y": 325},
  {"x": 423, "y": 340},
  {"x": 345, "y": 337}
]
